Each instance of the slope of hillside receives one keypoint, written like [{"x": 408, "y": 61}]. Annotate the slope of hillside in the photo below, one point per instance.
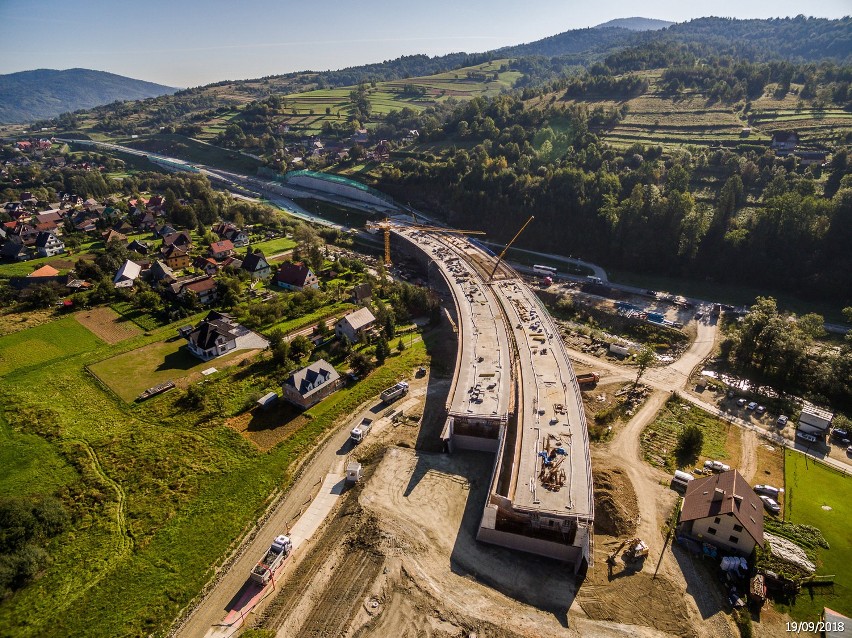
[
  {"x": 45, "y": 93},
  {"x": 636, "y": 24}
]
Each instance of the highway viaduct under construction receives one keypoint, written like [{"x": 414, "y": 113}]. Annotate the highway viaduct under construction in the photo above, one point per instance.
[{"x": 514, "y": 394}]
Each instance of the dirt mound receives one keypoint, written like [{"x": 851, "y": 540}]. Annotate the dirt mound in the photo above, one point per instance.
[{"x": 616, "y": 507}]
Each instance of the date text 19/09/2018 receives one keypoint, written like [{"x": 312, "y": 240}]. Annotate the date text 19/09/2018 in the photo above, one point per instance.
[{"x": 813, "y": 627}]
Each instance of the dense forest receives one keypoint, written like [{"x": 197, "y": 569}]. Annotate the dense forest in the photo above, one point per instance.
[{"x": 786, "y": 225}]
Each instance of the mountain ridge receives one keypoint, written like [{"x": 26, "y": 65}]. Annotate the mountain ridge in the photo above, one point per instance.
[
  {"x": 46, "y": 93},
  {"x": 636, "y": 24}
]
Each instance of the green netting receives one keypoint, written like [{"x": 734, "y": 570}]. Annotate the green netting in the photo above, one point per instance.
[{"x": 338, "y": 179}]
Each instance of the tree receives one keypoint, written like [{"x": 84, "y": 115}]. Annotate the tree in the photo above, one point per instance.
[
  {"x": 382, "y": 349},
  {"x": 400, "y": 346},
  {"x": 361, "y": 364},
  {"x": 689, "y": 443},
  {"x": 644, "y": 359},
  {"x": 812, "y": 324},
  {"x": 300, "y": 347},
  {"x": 43, "y": 296}
]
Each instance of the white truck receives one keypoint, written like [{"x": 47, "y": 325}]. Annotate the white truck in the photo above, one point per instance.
[
  {"x": 269, "y": 564},
  {"x": 392, "y": 394},
  {"x": 361, "y": 430}
]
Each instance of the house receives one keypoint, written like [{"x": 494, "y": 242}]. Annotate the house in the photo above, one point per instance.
[
  {"x": 44, "y": 275},
  {"x": 382, "y": 150},
  {"x": 221, "y": 249},
  {"x": 256, "y": 265},
  {"x": 807, "y": 158},
  {"x": 175, "y": 257},
  {"x": 362, "y": 293},
  {"x": 160, "y": 272},
  {"x": 14, "y": 250},
  {"x": 48, "y": 216},
  {"x": 121, "y": 226},
  {"x": 45, "y": 272},
  {"x": 181, "y": 239},
  {"x": 47, "y": 244},
  {"x": 355, "y": 324},
  {"x": 204, "y": 288},
  {"x": 207, "y": 265},
  {"x": 295, "y": 276},
  {"x": 311, "y": 384},
  {"x": 214, "y": 336},
  {"x": 784, "y": 141},
  {"x": 723, "y": 510},
  {"x": 226, "y": 230},
  {"x": 114, "y": 235},
  {"x": 26, "y": 232},
  {"x": 127, "y": 274},
  {"x": 139, "y": 247},
  {"x": 164, "y": 231},
  {"x": 814, "y": 420}
]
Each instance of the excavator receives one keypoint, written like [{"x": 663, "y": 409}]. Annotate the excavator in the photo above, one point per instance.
[{"x": 636, "y": 551}]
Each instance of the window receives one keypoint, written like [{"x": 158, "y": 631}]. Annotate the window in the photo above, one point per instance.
[
  {"x": 734, "y": 539},
  {"x": 717, "y": 520},
  {"x": 738, "y": 528},
  {"x": 711, "y": 530}
]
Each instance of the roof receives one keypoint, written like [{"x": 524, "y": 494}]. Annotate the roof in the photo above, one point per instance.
[
  {"x": 359, "y": 319},
  {"x": 169, "y": 252},
  {"x": 747, "y": 508},
  {"x": 293, "y": 274},
  {"x": 835, "y": 620},
  {"x": 214, "y": 325},
  {"x": 255, "y": 262},
  {"x": 221, "y": 246},
  {"x": 202, "y": 285},
  {"x": 312, "y": 378},
  {"x": 128, "y": 272},
  {"x": 43, "y": 238},
  {"x": 45, "y": 271},
  {"x": 180, "y": 239}
]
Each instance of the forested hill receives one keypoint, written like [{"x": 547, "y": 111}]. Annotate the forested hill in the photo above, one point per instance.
[
  {"x": 795, "y": 39},
  {"x": 637, "y": 24},
  {"x": 45, "y": 93}
]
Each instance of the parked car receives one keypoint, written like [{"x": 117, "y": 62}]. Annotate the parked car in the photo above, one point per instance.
[
  {"x": 782, "y": 420},
  {"x": 849, "y": 450},
  {"x": 760, "y": 409},
  {"x": 751, "y": 406},
  {"x": 716, "y": 466},
  {"x": 840, "y": 435},
  {"x": 805, "y": 436},
  {"x": 741, "y": 402},
  {"x": 770, "y": 504},
  {"x": 767, "y": 490}
]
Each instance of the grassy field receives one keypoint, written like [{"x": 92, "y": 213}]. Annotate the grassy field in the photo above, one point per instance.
[
  {"x": 274, "y": 246},
  {"x": 659, "y": 439},
  {"x": 185, "y": 148},
  {"x": 130, "y": 373},
  {"x": 818, "y": 495},
  {"x": 158, "y": 492},
  {"x": 44, "y": 344}
]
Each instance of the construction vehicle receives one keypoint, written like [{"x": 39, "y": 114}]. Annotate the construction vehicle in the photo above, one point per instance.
[
  {"x": 636, "y": 551},
  {"x": 361, "y": 430},
  {"x": 393, "y": 393},
  {"x": 385, "y": 226},
  {"x": 590, "y": 378},
  {"x": 275, "y": 556},
  {"x": 509, "y": 245}
]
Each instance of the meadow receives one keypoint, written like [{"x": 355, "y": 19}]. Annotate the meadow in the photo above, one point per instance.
[
  {"x": 818, "y": 495},
  {"x": 158, "y": 492}
]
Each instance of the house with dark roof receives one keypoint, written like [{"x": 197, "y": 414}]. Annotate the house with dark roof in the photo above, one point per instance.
[
  {"x": 784, "y": 142},
  {"x": 295, "y": 276},
  {"x": 160, "y": 272},
  {"x": 47, "y": 244},
  {"x": 203, "y": 287},
  {"x": 113, "y": 235},
  {"x": 175, "y": 257},
  {"x": 311, "y": 384},
  {"x": 227, "y": 230},
  {"x": 723, "y": 510},
  {"x": 14, "y": 250},
  {"x": 256, "y": 265},
  {"x": 139, "y": 247},
  {"x": 214, "y": 336},
  {"x": 362, "y": 293},
  {"x": 181, "y": 239}
]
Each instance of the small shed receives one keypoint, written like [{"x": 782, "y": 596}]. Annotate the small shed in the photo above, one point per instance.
[
  {"x": 267, "y": 400},
  {"x": 353, "y": 472}
]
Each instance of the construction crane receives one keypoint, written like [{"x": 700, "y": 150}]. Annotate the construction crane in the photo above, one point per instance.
[
  {"x": 502, "y": 254},
  {"x": 385, "y": 226}
]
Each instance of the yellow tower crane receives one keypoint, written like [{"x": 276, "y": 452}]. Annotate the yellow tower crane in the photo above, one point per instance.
[{"x": 385, "y": 227}]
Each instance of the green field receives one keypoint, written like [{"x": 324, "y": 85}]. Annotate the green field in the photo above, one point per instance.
[
  {"x": 129, "y": 374},
  {"x": 158, "y": 492},
  {"x": 190, "y": 150},
  {"x": 45, "y": 344},
  {"x": 819, "y": 495},
  {"x": 274, "y": 246}
]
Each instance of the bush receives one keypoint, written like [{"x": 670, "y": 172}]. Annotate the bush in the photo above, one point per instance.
[{"x": 689, "y": 443}]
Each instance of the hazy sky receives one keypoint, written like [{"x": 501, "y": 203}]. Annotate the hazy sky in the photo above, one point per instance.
[{"x": 190, "y": 42}]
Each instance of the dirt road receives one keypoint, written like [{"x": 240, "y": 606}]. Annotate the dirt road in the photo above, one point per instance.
[{"x": 214, "y": 603}]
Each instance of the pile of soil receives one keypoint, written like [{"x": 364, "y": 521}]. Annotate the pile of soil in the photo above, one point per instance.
[{"x": 616, "y": 507}]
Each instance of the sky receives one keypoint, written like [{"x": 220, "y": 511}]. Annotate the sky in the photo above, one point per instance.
[{"x": 185, "y": 43}]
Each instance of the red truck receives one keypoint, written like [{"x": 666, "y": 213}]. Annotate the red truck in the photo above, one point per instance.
[{"x": 590, "y": 378}]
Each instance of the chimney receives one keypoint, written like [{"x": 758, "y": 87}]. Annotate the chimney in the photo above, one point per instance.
[{"x": 718, "y": 494}]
